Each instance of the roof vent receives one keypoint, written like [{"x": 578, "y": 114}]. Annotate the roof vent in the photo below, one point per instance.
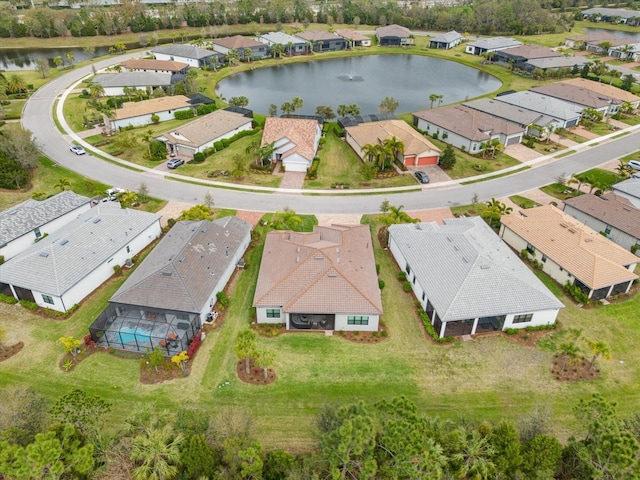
[
  {"x": 484, "y": 267},
  {"x": 456, "y": 248},
  {"x": 564, "y": 225},
  {"x": 44, "y": 254},
  {"x": 465, "y": 259},
  {"x": 204, "y": 230},
  {"x": 588, "y": 239},
  {"x": 297, "y": 259},
  {"x": 64, "y": 242},
  {"x": 572, "y": 230},
  {"x": 450, "y": 239},
  {"x": 166, "y": 274},
  {"x": 97, "y": 220},
  {"x": 182, "y": 259},
  {"x": 332, "y": 274},
  {"x": 338, "y": 250},
  {"x": 298, "y": 249},
  {"x": 626, "y": 208},
  {"x": 318, "y": 256}
]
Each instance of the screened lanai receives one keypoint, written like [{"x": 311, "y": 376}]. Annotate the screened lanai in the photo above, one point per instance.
[{"x": 137, "y": 329}]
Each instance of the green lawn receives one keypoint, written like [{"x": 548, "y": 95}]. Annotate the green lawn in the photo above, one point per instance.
[
  {"x": 561, "y": 192},
  {"x": 13, "y": 111},
  {"x": 601, "y": 128},
  {"x": 545, "y": 148},
  {"x": 523, "y": 202}
]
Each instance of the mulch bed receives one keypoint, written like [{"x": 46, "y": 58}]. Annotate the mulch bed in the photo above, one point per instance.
[
  {"x": 527, "y": 339},
  {"x": 6, "y": 352},
  {"x": 273, "y": 330},
  {"x": 255, "y": 375},
  {"x": 573, "y": 372},
  {"x": 165, "y": 372},
  {"x": 365, "y": 337}
]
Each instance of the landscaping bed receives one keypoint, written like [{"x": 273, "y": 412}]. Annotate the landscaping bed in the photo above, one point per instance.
[
  {"x": 255, "y": 375},
  {"x": 6, "y": 352},
  {"x": 564, "y": 370}
]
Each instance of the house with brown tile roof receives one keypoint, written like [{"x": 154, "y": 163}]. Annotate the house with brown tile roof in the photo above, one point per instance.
[
  {"x": 322, "y": 40},
  {"x": 580, "y": 96},
  {"x": 579, "y": 42},
  {"x": 417, "y": 149},
  {"x": 466, "y": 128},
  {"x": 295, "y": 139},
  {"x": 354, "y": 39},
  {"x": 600, "y": 46},
  {"x": 240, "y": 44},
  {"x": 138, "y": 114},
  {"x": 610, "y": 214},
  {"x": 608, "y": 91},
  {"x": 569, "y": 251},
  {"x": 394, "y": 36},
  {"x": 325, "y": 280},
  {"x": 203, "y": 132},
  {"x": 153, "y": 65}
]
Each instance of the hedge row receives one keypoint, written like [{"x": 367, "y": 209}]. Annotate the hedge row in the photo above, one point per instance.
[{"x": 432, "y": 331}]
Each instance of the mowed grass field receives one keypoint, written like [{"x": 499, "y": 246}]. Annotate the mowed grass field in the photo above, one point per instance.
[{"x": 488, "y": 378}]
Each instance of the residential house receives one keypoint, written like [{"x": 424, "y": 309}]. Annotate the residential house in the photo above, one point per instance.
[
  {"x": 292, "y": 45},
  {"x": 467, "y": 280},
  {"x": 467, "y": 129},
  {"x": 519, "y": 56},
  {"x": 241, "y": 45},
  {"x": 610, "y": 214},
  {"x": 295, "y": 140},
  {"x": 534, "y": 123},
  {"x": 115, "y": 83},
  {"x": 153, "y": 65},
  {"x": 66, "y": 266},
  {"x": 607, "y": 91},
  {"x": 567, "y": 114},
  {"x": 394, "y": 36},
  {"x": 627, "y": 52},
  {"x": 325, "y": 280},
  {"x": 138, "y": 114},
  {"x": 579, "y": 42},
  {"x": 30, "y": 221},
  {"x": 417, "y": 149},
  {"x": 322, "y": 40},
  {"x": 354, "y": 39},
  {"x": 613, "y": 15},
  {"x": 570, "y": 252},
  {"x": 203, "y": 132},
  {"x": 446, "y": 40},
  {"x": 603, "y": 47},
  {"x": 580, "y": 96},
  {"x": 165, "y": 301},
  {"x": 629, "y": 189},
  {"x": 554, "y": 63},
  {"x": 492, "y": 44},
  {"x": 190, "y": 54}
]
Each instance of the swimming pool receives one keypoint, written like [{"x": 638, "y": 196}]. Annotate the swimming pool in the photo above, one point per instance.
[{"x": 130, "y": 335}]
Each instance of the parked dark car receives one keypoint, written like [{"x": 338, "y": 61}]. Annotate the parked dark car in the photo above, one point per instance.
[
  {"x": 175, "y": 163},
  {"x": 422, "y": 177}
]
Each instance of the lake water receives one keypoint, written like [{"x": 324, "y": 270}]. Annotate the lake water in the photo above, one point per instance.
[
  {"x": 616, "y": 33},
  {"x": 25, "y": 58},
  {"x": 365, "y": 81}
]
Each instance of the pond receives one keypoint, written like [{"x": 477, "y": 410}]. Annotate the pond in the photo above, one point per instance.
[
  {"x": 365, "y": 81},
  {"x": 25, "y": 58},
  {"x": 616, "y": 33}
]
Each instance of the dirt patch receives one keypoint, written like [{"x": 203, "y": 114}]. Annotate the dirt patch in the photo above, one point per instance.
[
  {"x": 432, "y": 215},
  {"x": 172, "y": 210},
  {"x": 255, "y": 375},
  {"x": 250, "y": 217},
  {"x": 6, "y": 352},
  {"x": 566, "y": 370}
]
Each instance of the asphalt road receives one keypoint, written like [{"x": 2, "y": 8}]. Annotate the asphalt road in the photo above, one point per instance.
[{"x": 37, "y": 116}]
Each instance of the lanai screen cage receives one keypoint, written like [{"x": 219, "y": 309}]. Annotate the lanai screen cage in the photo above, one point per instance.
[{"x": 137, "y": 329}]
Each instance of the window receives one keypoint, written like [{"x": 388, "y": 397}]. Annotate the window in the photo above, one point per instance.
[
  {"x": 523, "y": 318},
  {"x": 531, "y": 249},
  {"x": 128, "y": 249},
  {"x": 544, "y": 258},
  {"x": 607, "y": 230},
  {"x": 37, "y": 232},
  {"x": 408, "y": 269},
  {"x": 273, "y": 313},
  {"x": 357, "y": 320},
  {"x": 47, "y": 299},
  {"x": 423, "y": 296}
]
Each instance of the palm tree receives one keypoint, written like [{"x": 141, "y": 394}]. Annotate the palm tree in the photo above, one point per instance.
[
  {"x": 622, "y": 169},
  {"x": 16, "y": 84},
  {"x": 265, "y": 359},
  {"x": 287, "y": 108},
  {"x": 96, "y": 90},
  {"x": 239, "y": 167},
  {"x": 147, "y": 137},
  {"x": 433, "y": 98},
  {"x": 277, "y": 49},
  {"x": 266, "y": 151},
  {"x": 440, "y": 98},
  {"x": 287, "y": 220},
  {"x": 70, "y": 58},
  {"x": 494, "y": 211},
  {"x": 290, "y": 48},
  {"x": 569, "y": 352},
  {"x": 247, "y": 54},
  {"x": 62, "y": 184},
  {"x": 368, "y": 151},
  {"x": 232, "y": 56},
  {"x": 599, "y": 349},
  {"x": 396, "y": 146},
  {"x": 296, "y": 103},
  {"x": 245, "y": 346},
  {"x": 384, "y": 154},
  {"x": 157, "y": 453}
]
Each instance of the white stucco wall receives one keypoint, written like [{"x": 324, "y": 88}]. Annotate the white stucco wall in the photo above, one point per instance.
[
  {"x": 454, "y": 139},
  {"x": 189, "y": 61},
  {"x": 342, "y": 319},
  {"x": 617, "y": 236},
  {"x": 142, "y": 120},
  {"x": 261, "y": 315}
]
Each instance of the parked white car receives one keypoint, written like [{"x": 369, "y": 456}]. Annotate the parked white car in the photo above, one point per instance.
[
  {"x": 635, "y": 164},
  {"x": 112, "y": 194}
]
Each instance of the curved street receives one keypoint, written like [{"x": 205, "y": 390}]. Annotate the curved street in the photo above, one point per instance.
[{"x": 38, "y": 116}]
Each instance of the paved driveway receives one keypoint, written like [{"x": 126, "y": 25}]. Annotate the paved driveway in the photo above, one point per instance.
[{"x": 521, "y": 153}]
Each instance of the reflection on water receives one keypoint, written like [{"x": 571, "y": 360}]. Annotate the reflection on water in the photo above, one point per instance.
[
  {"x": 365, "y": 81},
  {"x": 616, "y": 33},
  {"x": 25, "y": 58}
]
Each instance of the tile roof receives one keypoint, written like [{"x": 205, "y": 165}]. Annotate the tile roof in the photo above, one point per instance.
[
  {"x": 352, "y": 35},
  {"x": 26, "y": 216},
  {"x": 512, "y": 113},
  {"x": 299, "y": 131},
  {"x": 558, "y": 62},
  {"x": 574, "y": 94},
  {"x": 393, "y": 31},
  {"x": 537, "y": 102},
  {"x": 331, "y": 270},
  {"x": 133, "y": 79},
  {"x": 495, "y": 42},
  {"x": 236, "y": 42},
  {"x": 58, "y": 262},
  {"x": 611, "y": 209},
  {"x": 153, "y": 105},
  {"x": 468, "y": 272},
  {"x": 376, "y": 132},
  {"x": 468, "y": 123},
  {"x": 531, "y": 51},
  {"x": 153, "y": 64},
  {"x": 186, "y": 266},
  {"x": 206, "y": 128},
  {"x": 448, "y": 37},
  {"x": 184, "y": 51},
  {"x": 603, "y": 89},
  {"x": 591, "y": 258},
  {"x": 318, "y": 35}
]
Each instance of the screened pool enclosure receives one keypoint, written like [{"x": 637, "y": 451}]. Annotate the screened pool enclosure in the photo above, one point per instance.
[{"x": 125, "y": 327}]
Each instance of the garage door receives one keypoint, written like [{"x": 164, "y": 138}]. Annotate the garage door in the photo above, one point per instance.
[
  {"x": 513, "y": 141},
  {"x": 295, "y": 167},
  {"x": 571, "y": 123},
  {"x": 428, "y": 160}
]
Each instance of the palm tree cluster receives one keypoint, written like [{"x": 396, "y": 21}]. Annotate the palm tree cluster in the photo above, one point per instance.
[{"x": 384, "y": 153}]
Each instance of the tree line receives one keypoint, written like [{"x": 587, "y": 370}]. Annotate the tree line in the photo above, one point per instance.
[{"x": 71, "y": 439}]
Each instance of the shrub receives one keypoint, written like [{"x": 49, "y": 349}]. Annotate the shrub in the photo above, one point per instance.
[
  {"x": 155, "y": 118},
  {"x": 225, "y": 142},
  {"x": 429, "y": 328},
  {"x": 406, "y": 286},
  {"x": 198, "y": 158},
  {"x": 400, "y": 165},
  {"x": 117, "y": 269},
  {"x": 157, "y": 150},
  {"x": 194, "y": 345},
  {"x": 30, "y": 305},
  {"x": 576, "y": 293},
  {"x": 223, "y": 299},
  {"x": 204, "y": 109},
  {"x": 634, "y": 249},
  {"x": 312, "y": 172},
  {"x": 381, "y": 284},
  {"x": 218, "y": 146},
  {"x": 184, "y": 115},
  {"x": 511, "y": 331},
  {"x": 7, "y": 299},
  {"x": 539, "y": 328},
  {"x": 402, "y": 276},
  {"x": 2, "y": 257}
]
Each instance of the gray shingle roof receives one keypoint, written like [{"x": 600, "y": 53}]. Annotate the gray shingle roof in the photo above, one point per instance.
[
  {"x": 206, "y": 128},
  {"x": 495, "y": 42},
  {"x": 448, "y": 37},
  {"x": 545, "y": 104},
  {"x": 25, "y": 217},
  {"x": 512, "y": 113},
  {"x": 186, "y": 265},
  {"x": 631, "y": 187},
  {"x": 393, "y": 31},
  {"x": 59, "y": 261},
  {"x": 185, "y": 51},
  {"x": 133, "y": 79},
  {"x": 611, "y": 209},
  {"x": 468, "y": 272},
  {"x": 557, "y": 62},
  {"x": 282, "y": 38},
  {"x": 612, "y": 12}
]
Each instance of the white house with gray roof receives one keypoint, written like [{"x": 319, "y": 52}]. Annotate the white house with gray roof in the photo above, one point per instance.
[
  {"x": 292, "y": 44},
  {"x": 115, "y": 83},
  {"x": 467, "y": 280},
  {"x": 59, "y": 271},
  {"x": 446, "y": 40},
  {"x": 493, "y": 44},
  {"x": 30, "y": 221},
  {"x": 629, "y": 189},
  {"x": 172, "y": 292},
  {"x": 189, "y": 54},
  {"x": 567, "y": 114}
]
